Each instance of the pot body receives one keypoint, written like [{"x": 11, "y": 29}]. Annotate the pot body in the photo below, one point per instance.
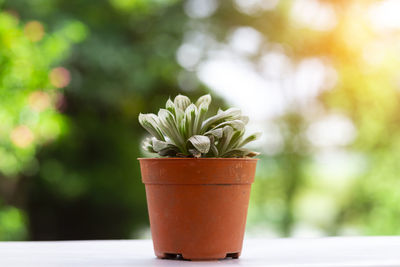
[{"x": 197, "y": 207}]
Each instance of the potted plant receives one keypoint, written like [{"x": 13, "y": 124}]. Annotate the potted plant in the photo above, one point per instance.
[{"x": 198, "y": 189}]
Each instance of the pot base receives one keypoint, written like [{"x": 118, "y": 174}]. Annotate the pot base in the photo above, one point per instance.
[{"x": 194, "y": 257}]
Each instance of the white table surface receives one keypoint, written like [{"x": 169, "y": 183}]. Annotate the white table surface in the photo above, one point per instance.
[{"x": 335, "y": 251}]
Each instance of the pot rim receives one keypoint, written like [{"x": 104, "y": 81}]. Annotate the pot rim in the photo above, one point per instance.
[
  {"x": 200, "y": 159},
  {"x": 197, "y": 171}
]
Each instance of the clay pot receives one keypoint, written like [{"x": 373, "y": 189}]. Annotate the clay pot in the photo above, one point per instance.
[{"x": 197, "y": 207}]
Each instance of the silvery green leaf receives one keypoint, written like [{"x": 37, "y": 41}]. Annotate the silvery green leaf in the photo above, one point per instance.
[
  {"x": 148, "y": 146},
  {"x": 229, "y": 114},
  {"x": 215, "y": 132},
  {"x": 206, "y": 99},
  {"x": 212, "y": 139},
  {"x": 225, "y": 140},
  {"x": 252, "y": 154},
  {"x": 170, "y": 106},
  {"x": 200, "y": 142},
  {"x": 151, "y": 122},
  {"x": 249, "y": 139},
  {"x": 195, "y": 153},
  {"x": 235, "y": 140},
  {"x": 179, "y": 116},
  {"x": 189, "y": 119},
  {"x": 233, "y": 113},
  {"x": 182, "y": 102},
  {"x": 159, "y": 145},
  {"x": 169, "y": 151},
  {"x": 148, "y": 141},
  {"x": 235, "y": 124},
  {"x": 240, "y": 153},
  {"x": 169, "y": 127},
  {"x": 201, "y": 115},
  {"x": 214, "y": 150}
]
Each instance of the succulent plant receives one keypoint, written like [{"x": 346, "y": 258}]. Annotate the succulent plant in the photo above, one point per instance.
[{"x": 182, "y": 129}]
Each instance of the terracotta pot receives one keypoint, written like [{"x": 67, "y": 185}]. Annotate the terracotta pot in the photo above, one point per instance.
[{"x": 197, "y": 207}]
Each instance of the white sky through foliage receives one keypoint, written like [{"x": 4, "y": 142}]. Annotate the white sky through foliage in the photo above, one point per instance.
[{"x": 269, "y": 87}]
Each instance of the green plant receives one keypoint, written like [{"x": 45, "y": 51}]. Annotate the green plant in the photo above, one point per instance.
[{"x": 182, "y": 130}]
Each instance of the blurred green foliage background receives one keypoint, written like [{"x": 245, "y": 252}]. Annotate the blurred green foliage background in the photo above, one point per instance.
[{"x": 74, "y": 76}]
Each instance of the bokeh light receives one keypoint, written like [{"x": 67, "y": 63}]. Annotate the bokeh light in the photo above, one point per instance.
[
  {"x": 59, "y": 77},
  {"x": 34, "y": 31},
  {"x": 22, "y": 136},
  {"x": 39, "y": 100}
]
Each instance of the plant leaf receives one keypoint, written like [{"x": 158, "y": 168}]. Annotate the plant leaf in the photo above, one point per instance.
[
  {"x": 150, "y": 122},
  {"x": 201, "y": 115},
  {"x": 148, "y": 146},
  {"x": 239, "y": 153},
  {"x": 169, "y": 127},
  {"x": 170, "y": 106},
  {"x": 252, "y": 154},
  {"x": 235, "y": 124},
  {"x": 235, "y": 140},
  {"x": 182, "y": 102},
  {"x": 189, "y": 120},
  {"x": 179, "y": 119},
  {"x": 214, "y": 150},
  {"x": 200, "y": 142},
  {"x": 229, "y": 114},
  {"x": 195, "y": 153},
  {"x": 206, "y": 99},
  {"x": 225, "y": 140},
  {"x": 160, "y": 145},
  {"x": 250, "y": 138},
  {"x": 215, "y": 132},
  {"x": 169, "y": 151},
  {"x": 212, "y": 139}
]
